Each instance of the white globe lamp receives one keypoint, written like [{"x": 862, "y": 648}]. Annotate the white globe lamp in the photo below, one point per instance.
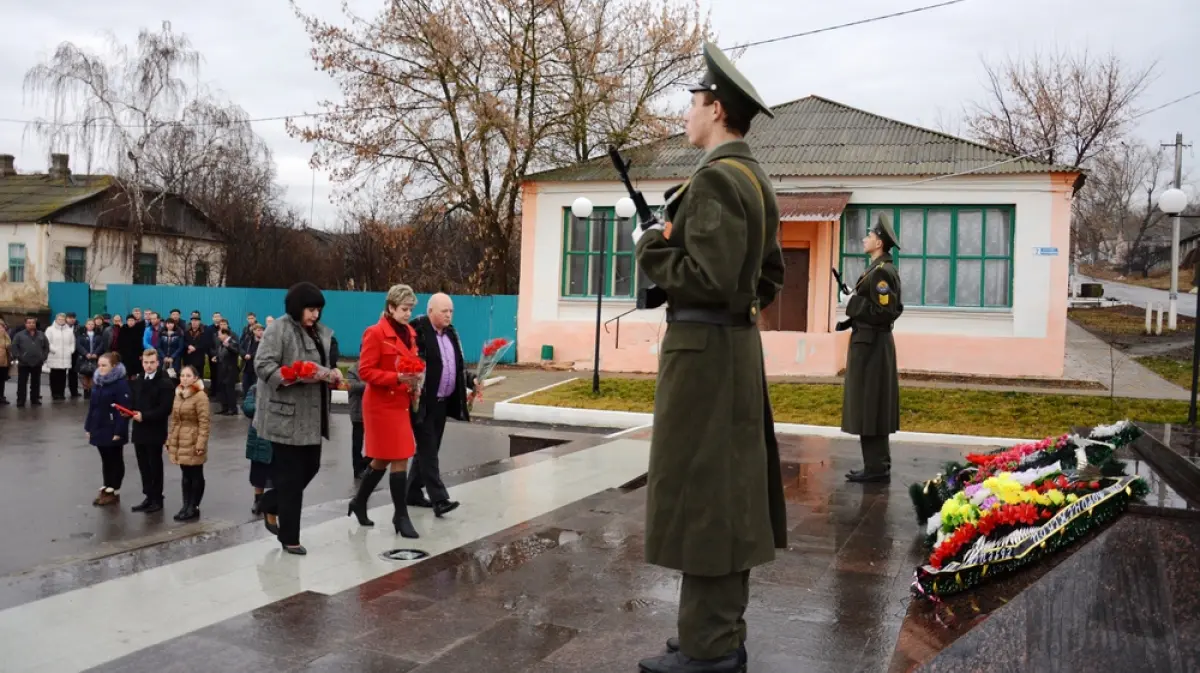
[
  {"x": 1173, "y": 201},
  {"x": 625, "y": 208},
  {"x": 581, "y": 208}
]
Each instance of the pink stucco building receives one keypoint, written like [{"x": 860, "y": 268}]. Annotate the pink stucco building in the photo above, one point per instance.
[{"x": 983, "y": 259}]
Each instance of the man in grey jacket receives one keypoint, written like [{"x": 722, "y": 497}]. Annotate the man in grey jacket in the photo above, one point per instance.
[
  {"x": 30, "y": 349},
  {"x": 294, "y": 416}
]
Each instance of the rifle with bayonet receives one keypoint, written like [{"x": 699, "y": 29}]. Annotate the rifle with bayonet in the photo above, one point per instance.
[{"x": 648, "y": 294}]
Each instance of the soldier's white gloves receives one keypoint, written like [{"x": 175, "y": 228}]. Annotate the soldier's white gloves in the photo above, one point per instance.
[
  {"x": 843, "y": 297},
  {"x": 638, "y": 231}
]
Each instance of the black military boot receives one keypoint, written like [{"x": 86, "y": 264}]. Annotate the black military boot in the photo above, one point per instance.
[
  {"x": 872, "y": 477},
  {"x": 673, "y": 646},
  {"x": 678, "y": 662},
  {"x": 398, "y": 484}
]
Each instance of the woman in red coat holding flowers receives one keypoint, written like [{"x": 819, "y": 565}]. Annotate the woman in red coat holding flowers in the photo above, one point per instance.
[{"x": 389, "y": 365}]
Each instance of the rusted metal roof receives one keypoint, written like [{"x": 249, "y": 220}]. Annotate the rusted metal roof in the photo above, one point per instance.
[
  {"x": 35, "y": 198},
  {"x": 811, "y": 206},
  {"x": 815, "y": 136}
]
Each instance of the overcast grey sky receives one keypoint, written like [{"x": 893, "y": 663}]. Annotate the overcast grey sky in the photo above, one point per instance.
[{"x": 916, "y": 68}]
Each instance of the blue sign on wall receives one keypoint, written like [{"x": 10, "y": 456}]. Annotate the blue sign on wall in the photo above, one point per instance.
[
  {"x": 478, "y": 319},
  {"x": 1045, "y": 252}
]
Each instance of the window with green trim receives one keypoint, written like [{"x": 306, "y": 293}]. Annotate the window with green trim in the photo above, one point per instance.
[
  {"x": 75, "y": 265},
  {"x": 959, "y": 256},
  {"x": 582, "y": 242},
  {"x": 16, "y": 262},
  {"x": 147, "y": 269},
  {"x": 201, "y": 276}
]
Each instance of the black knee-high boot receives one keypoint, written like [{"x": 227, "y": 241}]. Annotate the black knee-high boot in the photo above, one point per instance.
[
  {"x": 197, "y": 493},
  {"x": 185, "y": 488},
  {"x": 358, "y": 505},
  {"x": 398, "y": 483}
]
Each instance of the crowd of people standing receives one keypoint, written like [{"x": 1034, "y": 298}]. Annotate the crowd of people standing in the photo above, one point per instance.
[{"x": 143, "y": 378}]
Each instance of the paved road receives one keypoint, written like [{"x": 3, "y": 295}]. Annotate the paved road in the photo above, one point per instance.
[
  {"x": 49, "y": 476},
  {"x": 1139, "y": 296}
]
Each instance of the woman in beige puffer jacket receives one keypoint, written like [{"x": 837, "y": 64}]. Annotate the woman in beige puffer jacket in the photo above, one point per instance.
[{"x": 187, "y": 440}]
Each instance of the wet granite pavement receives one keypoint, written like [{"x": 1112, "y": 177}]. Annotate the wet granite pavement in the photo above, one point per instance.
[
  {"x": 51, "y": 474},
  {"x": 569, "y": 591}
]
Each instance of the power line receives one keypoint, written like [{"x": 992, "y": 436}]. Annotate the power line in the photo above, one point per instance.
[{"x": 302, "y": 115}]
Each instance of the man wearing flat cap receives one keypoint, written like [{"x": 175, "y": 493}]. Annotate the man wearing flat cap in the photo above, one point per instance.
[
  {"x": 714, "y": 496},
  {"x": 871, "y": 402}
]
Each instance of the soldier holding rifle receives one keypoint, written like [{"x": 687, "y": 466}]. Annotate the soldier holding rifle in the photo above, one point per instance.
[
  {"x": 871, "y": 399},
  {"x": 714, "y": 494}
]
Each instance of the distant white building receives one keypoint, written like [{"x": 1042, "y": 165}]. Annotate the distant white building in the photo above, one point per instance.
[{"x": 52, "y": 228}]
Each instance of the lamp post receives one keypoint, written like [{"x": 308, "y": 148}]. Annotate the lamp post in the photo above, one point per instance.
[
  {"x": 582, "y": 209},
  {"x": 1172, "y": 202}
]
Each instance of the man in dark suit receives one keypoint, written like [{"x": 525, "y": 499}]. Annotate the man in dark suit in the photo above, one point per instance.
[
  {"x": 444, "y": 395},
  {"x": 152, "y": 397}
]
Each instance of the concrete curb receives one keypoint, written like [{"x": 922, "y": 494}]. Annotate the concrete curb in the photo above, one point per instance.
[
  {"x": 509, "y": 410},
  {"x": 343, "y": 396}
]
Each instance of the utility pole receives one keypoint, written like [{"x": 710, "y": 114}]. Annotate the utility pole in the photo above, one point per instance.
[{"x": 1174, "y": 296}]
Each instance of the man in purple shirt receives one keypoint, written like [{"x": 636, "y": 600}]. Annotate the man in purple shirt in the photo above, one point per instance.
[{"x": 444, "y": 395}]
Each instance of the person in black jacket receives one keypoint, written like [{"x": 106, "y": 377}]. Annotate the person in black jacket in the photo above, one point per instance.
[
  {"x": 444, "y": 395},
  {"x": 196, "y": 345},
  {"x": 227, "y": 355},
  {"x": 129, "y": 346},
  {"x": 152, "y": 396}
]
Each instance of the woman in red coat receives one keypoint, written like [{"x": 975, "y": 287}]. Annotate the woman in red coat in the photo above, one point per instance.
[{"x": 386, "y": 406}]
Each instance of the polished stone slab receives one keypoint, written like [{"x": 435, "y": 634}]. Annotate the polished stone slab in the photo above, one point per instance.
[{"x": 1127, "y": 601}]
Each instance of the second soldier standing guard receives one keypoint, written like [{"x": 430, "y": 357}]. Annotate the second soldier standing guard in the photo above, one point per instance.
[
  {"x": 714, "y": 494},
  {"x": 871, "y": 399}
]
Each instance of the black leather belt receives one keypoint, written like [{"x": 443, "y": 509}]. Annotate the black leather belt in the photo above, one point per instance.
[
  {"x": 872, "y": 328},
  {"x": 708, "y": 317}
]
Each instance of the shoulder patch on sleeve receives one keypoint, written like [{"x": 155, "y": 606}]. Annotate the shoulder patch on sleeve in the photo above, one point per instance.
[{"x": 882, "y": 287}]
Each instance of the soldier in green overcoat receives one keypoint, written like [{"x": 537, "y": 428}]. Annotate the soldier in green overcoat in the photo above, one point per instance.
[
  {"x": 871, "y": 401},
  {"x": 715, "y": 504}
]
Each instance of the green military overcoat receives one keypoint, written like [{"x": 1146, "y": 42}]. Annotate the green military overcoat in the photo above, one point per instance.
[
  {"x": 714, "y": 493},
  {"x": 871, "y": 399}
]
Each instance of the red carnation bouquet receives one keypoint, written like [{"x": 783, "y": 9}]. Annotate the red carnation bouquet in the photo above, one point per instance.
[
  {"x": 493, "y": 351},
  {"x": 411, "y": 365},
  {"x": 305, "y": 370}
]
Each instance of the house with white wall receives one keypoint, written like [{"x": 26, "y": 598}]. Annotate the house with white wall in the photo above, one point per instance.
[
  {"x": 61, "y": 227},
  {"x": 983, "y": 261}
]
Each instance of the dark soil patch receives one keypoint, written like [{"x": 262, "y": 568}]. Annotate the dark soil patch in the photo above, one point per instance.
[{"x": 1125, "y": 326}]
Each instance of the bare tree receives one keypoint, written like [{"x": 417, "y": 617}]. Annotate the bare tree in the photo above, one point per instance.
[
  {"x": 451, "y": 103},
  {"x": 116, "y": 107},
  {"x": 1061, "y": 108}
]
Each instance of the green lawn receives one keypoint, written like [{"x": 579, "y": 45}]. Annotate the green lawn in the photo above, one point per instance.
[
  {"x": 997, "y": 414},
  {"x": 1172, "y": 369}
]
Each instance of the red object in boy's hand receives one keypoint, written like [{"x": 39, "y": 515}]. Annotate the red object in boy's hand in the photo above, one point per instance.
[{"x": 123, "y": 411}]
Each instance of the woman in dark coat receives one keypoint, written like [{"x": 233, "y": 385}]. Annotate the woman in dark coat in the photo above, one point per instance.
[
  {"x": 171, "y": 348},
  {"x": 89, "y": 347},
  {"x": 107, "y": 429}
]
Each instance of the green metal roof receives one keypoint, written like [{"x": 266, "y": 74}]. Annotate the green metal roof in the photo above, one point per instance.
[
  {"x": 36, "y": 198},
  {"x": 815, "y": 136}
]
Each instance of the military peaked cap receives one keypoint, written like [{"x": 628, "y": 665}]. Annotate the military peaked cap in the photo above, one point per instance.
[
  {"x": 883, "y": 229},
  {"x": 729, "y": 86}
]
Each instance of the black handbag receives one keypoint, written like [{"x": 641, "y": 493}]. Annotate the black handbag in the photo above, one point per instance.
[{"x": 87, "y": 368}]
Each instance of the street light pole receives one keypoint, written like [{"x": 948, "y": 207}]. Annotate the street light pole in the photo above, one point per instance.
[
  {"x": 599, "y": 303},
  {"x": 1174, "y": 296}
]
